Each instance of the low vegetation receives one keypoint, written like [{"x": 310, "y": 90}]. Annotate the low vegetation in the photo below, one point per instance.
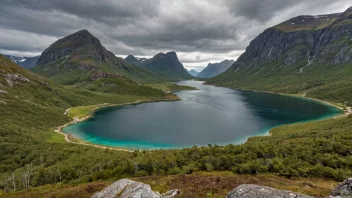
[
  {"x": 330, "y": 83},
  {"x": 202, "y": 184},
  {"x": 33, "y": 155},
  {"x": 171, "y": 87}
]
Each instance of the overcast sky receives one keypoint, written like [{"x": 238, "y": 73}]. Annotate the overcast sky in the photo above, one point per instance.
[{"x": 200, "y": 31}]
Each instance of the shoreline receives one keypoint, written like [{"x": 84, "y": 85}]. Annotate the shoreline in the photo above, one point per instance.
[
  {"x": 77, "y": 120},
  {"x": 346, "y": 112}
]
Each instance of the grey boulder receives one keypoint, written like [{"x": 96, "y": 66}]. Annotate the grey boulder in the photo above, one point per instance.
[
  {"x": 255, "y": 191},
  {"x": 344, "y": 189},
  {"x": 126, "y": 188}
]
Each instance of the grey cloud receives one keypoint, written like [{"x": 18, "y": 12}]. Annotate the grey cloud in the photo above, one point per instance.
[{"x": 146, "y": 27}]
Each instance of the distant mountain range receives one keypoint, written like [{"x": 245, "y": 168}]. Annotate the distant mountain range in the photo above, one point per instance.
[
  {"x": 165, "y": 64},
  {"x": 214, "y": 69},
  {"x": 193, "y": 72},
  {"x": 310, "y": 55},
  {"x": 80, "y": 60},
  {"x": 25, "y": 62}
]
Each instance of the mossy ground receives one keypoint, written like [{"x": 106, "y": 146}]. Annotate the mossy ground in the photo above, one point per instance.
[{"x": 198, "y": 185}]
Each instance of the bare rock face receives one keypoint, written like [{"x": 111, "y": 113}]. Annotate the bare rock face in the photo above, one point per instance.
[
  {"x": 15, "y": 79},
  {"x": 3, "y": 91},
  {"x": 343, "y": 190},
  {"x": 99, "y": 75},
  {"x": 126, "y": 188},
  {"x": 254, "y": 191}
]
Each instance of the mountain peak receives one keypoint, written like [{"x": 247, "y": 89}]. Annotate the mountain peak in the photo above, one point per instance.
[
  {"x": 172, "y": 53},
  {"x": 164, "y": 63},
  {"x": 81, "y": 43},
  {"x": 214, "y": 69},
  {"x": 131, "y": 58},
  {"x": 160, "y": 54},
  {"x": 167, "y": 54},
  {"x": 193, "y": 72},
  {"x": 83, "y": 32}
]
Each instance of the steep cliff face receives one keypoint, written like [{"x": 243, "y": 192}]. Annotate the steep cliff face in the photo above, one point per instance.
[
  {"x": 298, "y": 39},
  {"x": 165, "y": 64},
  {"x": 214, "y": 69},
  {"x": 306, "y": 54}
]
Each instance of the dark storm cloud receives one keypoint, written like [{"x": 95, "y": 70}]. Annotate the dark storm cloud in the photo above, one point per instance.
[
  {"x": 264, "y": 10},
  {"x": 200, "y": 30}
]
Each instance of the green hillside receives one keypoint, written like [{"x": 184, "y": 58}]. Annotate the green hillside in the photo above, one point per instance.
[
  {"x": 307, "y": 55},
  {"x": 32, "y": 154},
  {"x": 81, "y": 61}
]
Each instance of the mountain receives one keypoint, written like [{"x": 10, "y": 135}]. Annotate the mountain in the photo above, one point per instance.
[
  {"x": 309, "y": 55},
  {"x": 25, "y": 62},
  {"x": 135, "y": 61},
  {"x": 214, "y": 69},
  {"x": 193, "y": 72},
  {"x": 165, "y": 64},
  {"x": 80, "y": 60}
]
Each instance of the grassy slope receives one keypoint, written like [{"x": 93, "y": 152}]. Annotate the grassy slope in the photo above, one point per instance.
[
  {"x": 28, "y": 144},
  {"x": 31, "y": 111},
  {"x": 63, "y": 72},
  {"x": 203, "y": 184},
  {"x": 316, "y": 24},
  {"x": 331, "y": 83}
]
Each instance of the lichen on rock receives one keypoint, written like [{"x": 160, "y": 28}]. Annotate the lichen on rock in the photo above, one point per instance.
[
  {"x": 126, "y": 188},
  {"x": 344, "y": 189},
  {"x": 255, "y": 191},
  {"x": 13, "y": 79}
]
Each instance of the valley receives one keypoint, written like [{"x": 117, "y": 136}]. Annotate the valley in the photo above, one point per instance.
[{"x": 78, "y": 117}]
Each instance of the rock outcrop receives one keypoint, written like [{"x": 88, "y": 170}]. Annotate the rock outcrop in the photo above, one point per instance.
[
  {"x": 255, "y": 191},
  {"x": 13, "y": 79},
  {"x": 126, "y": 188},
  {"x": 344, "y": 189}
]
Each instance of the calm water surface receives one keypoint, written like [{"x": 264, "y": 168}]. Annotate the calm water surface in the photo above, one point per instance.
[{"x": 210, "y": 115}]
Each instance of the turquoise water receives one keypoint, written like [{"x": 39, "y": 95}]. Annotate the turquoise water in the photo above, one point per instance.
[{"x": 210, "y": 115}]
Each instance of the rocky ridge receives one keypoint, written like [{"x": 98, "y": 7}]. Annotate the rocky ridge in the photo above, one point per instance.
[
  {"x": 162, "y": 63},
  {"x": 79, "y": 55},
  {"x": 81, "y": 60},
  {"x": 214, "y": 69},
  {"x": 309, "y": 54}
]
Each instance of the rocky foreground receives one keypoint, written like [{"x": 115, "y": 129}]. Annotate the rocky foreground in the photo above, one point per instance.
[{"x": 126, "y": 188}]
